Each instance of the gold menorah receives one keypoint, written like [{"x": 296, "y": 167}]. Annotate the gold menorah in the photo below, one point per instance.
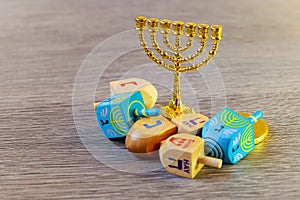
[{"x": 176, "y": 107}]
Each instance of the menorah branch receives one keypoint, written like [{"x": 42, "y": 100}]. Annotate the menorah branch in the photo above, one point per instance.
[
  {"x": 177, "y": 47},
  {"x": 161, "y": 52},
  {"x": 199, "y": 52},
  {"x": 188, "y": 45},
  {"x": 150, "y": 54},
  {"x": 177, "y": 42},
  {"x": 204, "y": 62},
  {"x": 168, "y": 43}
]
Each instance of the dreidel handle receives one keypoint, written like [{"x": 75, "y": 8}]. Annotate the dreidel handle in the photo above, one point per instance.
[
  {"x": 148, "y": 112},
  {"x": 210, "y": 161},
  {"x": 255, "y": 116}
]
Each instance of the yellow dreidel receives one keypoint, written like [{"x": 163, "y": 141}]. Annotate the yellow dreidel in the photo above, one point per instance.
[
  {"x": 147, "y": 90},
  {"x": 190, "y": 123},
  {"x": 145, "y": 135},
  {"x": 183, "y": 155}
]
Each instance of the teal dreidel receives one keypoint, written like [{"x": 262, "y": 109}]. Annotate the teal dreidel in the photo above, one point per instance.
[
  {"x": 116, "y": 114},
  {"x": 229, "y": 136}
]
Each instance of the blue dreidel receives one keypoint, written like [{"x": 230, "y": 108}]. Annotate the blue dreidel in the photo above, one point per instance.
[
  {"x": 116, "y": 114},
  {"x": 229, "y": 136}
]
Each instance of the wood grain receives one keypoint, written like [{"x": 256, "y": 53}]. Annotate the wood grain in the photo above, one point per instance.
[{"x": 43, "y": 44}]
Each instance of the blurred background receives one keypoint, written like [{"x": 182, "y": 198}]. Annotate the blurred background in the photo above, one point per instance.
[{"x": 44, "y": 42}]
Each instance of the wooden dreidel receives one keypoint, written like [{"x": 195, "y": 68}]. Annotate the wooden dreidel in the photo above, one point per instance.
[
  {"x": 229, "y": 136},
  {"x": 190, "y": 123},
  {"x": 116, "y": 114},
  {"x": 145, "y": 135},
  {"x": 148, "y": 91},
  {"x": 183, "y": 155}
]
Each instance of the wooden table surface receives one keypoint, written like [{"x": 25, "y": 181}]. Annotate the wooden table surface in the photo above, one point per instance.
[{"x": 43, "y": 46}]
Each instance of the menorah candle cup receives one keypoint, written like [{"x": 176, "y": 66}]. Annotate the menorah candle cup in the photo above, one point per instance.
[
  {"x": 183, "y": 155},
  {"x": 116, "y": 114},
  {"x": 176, "y": 107},
  {"x": 229, "y": 136},
  {"x": 140, "y": 23},
  {"x": 147, "y": 90}
]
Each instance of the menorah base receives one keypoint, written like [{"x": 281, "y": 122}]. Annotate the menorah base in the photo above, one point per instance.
[{"x": 170, "y": 113}]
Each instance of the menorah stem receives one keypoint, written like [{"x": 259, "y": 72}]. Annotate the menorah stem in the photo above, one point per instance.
[
  {"x": 176, "y": 102},
  {"x": 176, "y": 107}
]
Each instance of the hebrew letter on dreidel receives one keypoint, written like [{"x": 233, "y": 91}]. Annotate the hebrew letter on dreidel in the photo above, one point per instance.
[
  {"x": 158, "y": 122},
  {"x": 183, "y": 155},
  {"x": 148, "y": 91},
  {"x": 145, "y": 135},
  {"x": 124, "y": 84},
  {"x": 190, "y": 123},
  {"x": 117, "y": 114},
  {"x": 229, "y": 136}
]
